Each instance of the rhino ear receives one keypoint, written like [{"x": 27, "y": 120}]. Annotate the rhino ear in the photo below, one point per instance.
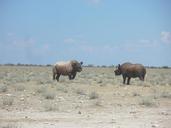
[
  {"x": 119, "y": 66},
  {"x": 73, "y": 63},
  {"x": 81, "y": 62}
]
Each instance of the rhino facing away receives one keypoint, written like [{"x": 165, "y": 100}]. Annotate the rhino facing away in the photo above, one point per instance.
[
  {"x": 69, "y": 68},
  {"x": 129, "y": 70}
]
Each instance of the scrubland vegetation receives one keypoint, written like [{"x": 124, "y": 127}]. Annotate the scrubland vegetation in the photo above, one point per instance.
[{"x": 95, "y": 98}]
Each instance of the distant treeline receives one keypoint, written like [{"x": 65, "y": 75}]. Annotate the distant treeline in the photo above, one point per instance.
[
  {"x": 89, "y": 65},
  {"x": 165, "y": 67},
  {"x": 104, "y": 66},
  {"x": 38, "y": 65}
]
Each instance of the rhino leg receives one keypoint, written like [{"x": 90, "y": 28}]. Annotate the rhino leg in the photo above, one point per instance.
[
  {"x": 73, "y": 75},
  {"x": 54, "y": 73},
  {"x": 124, "y": 79},
  {"x": 70, "y": 77},
  {"x": 54, "y": 76},
  {"x": 141, "y": 78},
  {"x": 128, "y": 80},
  {"x": 57, "y": 77}
]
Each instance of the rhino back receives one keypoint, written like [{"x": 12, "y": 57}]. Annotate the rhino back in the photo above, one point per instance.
[
  {"x": 64, "y": 68},
  {"x": 133, "y": 70}
]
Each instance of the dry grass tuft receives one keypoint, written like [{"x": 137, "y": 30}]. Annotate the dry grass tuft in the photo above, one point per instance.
[
  {"x": 7, "y": 100},
  {"x": 135, "y": 94},
  {"x": 49, "y": 106},
  {"x": 165, "y": 95},
  {"x": 93, "y": 95},
  {"x": 10, "y": 125},
  {"x": 19, "y": 87},
  {"x": 80, "y": 92},
  {"x": 98, "y": 103},
  {"x": 147, "y": 101},
  {"x": 49, "y": 94},
  {"x": 41, "y": 89},
  {"x": 3, "y": 88},
  {"x": 62, "y": 89}
]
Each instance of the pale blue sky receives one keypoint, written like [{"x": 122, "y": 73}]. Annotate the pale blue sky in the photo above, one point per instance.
[{"x": 99, "y": 32}]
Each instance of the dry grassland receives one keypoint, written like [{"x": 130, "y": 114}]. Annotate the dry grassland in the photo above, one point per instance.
[{"x": 96, "y": 98}]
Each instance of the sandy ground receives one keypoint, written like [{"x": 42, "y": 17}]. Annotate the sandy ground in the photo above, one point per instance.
[
  {"x": 118, "y": 118},
  {"x": 114, "y": 105}
]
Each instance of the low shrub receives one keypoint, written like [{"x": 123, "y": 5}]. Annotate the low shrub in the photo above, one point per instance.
[
  {"x": 49, "y": 94},
  {"x": 165, "y": 95},
  {"x": 3, "y": 88},
  {"x": 147, "y": 101},
  {"x": 20, "y": 87},
  {"x": 51, "y": 107},
  {"x": 93, "y": 95},
  {"x": 80, "y": 92},
  {"x": 7, "y": 100}
]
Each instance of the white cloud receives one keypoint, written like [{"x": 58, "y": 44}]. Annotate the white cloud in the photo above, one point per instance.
[
  {"x": 24, "y": 50},
  {"x": 75, "y": 40},
  {"x": 138, "y": 45},
  {"x": 24, "y": 43},
  {"x": 69, "y": 40},
  {"x": 166, "y": 37},
  {"x": 148, "y": 43},
  {"x": 10, "y": 34},
  {"x": 94, "y": 1}
]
